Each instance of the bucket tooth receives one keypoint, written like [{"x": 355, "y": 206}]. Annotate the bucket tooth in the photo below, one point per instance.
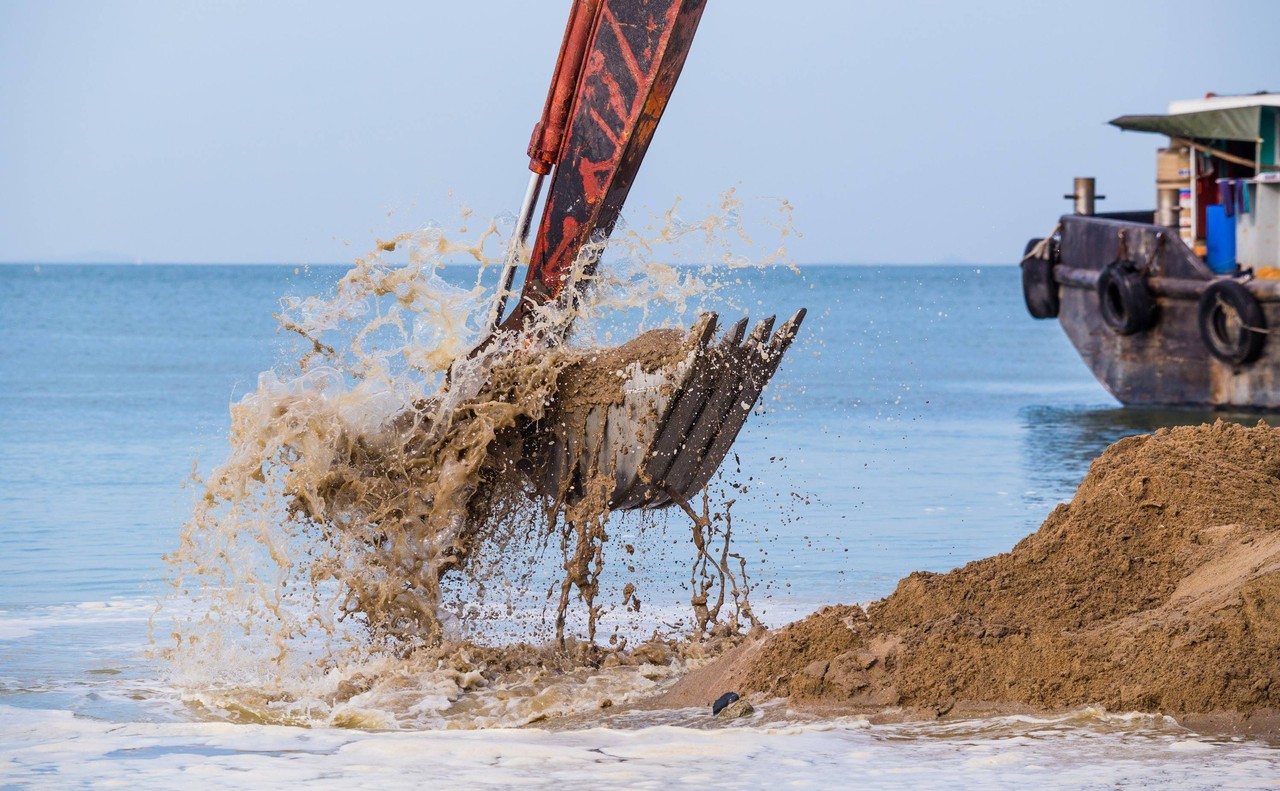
[
  {"x": 734, "y": 336},
  {"x": 704, "y": 329}
]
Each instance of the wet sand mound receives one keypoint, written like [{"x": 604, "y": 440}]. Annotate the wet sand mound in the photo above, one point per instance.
[{"x": 1156, "y": 589}]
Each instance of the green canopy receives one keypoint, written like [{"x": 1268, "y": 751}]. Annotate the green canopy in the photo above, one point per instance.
[{"x": 1236, "y": 123}]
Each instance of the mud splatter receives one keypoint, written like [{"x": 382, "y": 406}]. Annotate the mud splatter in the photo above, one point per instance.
[{"x": 368, "y": 515}]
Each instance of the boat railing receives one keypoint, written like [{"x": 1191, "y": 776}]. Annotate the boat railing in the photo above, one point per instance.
[
  {"x": 1144, "y": 217},
  {"x": 1171, "y": 269}
]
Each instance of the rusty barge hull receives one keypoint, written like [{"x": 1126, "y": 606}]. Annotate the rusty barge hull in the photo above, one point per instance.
[{"x": 1167, "y": 363}]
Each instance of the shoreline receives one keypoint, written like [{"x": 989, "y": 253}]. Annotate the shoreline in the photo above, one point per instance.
[{"x": 700, "y": 686}]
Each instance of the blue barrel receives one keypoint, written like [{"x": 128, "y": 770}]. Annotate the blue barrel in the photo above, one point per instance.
[{"x": 1220, "y": 237}]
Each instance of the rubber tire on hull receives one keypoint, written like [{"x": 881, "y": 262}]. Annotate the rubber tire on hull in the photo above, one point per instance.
[
  {"x": 1127, "y": 305},
  {"x": 1238, "y": 339},
  {"x": 1038, "y": 287}
]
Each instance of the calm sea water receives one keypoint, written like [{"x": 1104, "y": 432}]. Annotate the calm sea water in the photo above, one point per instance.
[{"x": 923, "y": 420}]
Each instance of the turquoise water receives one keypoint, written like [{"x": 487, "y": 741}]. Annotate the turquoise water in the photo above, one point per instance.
[{"x": 923, "y": 420}]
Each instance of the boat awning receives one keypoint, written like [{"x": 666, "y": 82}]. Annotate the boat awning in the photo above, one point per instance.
[{"x": 1235, "y": 123}]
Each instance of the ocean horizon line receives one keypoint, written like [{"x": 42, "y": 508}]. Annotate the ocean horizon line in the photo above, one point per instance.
[{"x": 312, "y": 264}]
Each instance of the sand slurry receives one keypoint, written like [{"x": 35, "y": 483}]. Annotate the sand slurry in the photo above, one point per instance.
[{"x": 1157, "y": 588}]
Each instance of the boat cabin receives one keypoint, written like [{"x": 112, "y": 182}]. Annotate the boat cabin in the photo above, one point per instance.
[{"x": 1218, "y": 180}]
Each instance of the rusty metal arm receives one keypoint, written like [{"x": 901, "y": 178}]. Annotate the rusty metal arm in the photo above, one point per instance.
[
  {"x": 546, "y": 141},
  {"x": 629, "y": 67}
]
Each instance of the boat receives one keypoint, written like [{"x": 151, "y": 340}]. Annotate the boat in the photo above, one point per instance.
[{"x": 1180, "y": 305}]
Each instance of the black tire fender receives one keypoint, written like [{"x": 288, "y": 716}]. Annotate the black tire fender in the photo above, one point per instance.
[
  {"x": 1039, "y": 290},
  {"x": 1232, "y": 324},
  {"x": 1127, "y": 305}
]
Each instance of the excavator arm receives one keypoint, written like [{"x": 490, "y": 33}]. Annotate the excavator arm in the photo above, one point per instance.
[{"x": 617, "y": 68}]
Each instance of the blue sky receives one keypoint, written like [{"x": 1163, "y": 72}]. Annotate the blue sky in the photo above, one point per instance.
[{"x": 914, "y": 131}]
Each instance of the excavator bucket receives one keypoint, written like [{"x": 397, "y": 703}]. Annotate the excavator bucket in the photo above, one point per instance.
[
  {"x": 665, "y": 433},
  {"x": 661, "y": 433}
]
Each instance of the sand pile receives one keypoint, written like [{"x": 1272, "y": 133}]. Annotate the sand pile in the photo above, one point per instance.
[{"x": 1156, "y": 589}]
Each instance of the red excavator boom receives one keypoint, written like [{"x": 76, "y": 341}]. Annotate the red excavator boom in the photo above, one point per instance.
[
  {"x": 617, "y": 68},
  {"x": 618, "y": 65},
  {"x": 548, "y": 133}
]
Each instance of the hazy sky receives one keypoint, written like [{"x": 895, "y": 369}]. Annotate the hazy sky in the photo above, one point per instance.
[{"x": 911, "y": 131}]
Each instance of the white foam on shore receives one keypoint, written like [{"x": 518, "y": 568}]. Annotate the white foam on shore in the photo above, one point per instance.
[
  {"x": 1086, "y": 749},
  {"x": 92, "y": 658},
  {"x": 17, "y": 623}
]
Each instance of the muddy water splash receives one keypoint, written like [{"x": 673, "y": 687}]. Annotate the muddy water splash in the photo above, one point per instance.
[{"x": 348, "y": 551}]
